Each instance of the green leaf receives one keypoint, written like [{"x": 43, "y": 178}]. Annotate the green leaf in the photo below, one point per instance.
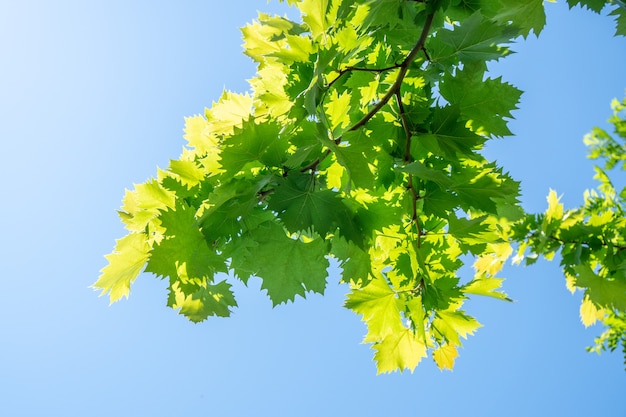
[
  {"x": 526, "y": 15},
  {"x": 454, "y": 324},
  {"x": 483, "y": 103},
  {"x": 486, "y": 286},
  {"x": 125, "y": 264},
  {"x": 288, "y": 266},
  {"x": 606, "y": 292},
  {"x": 357, "y": 154},
  {"x": 594, "y": 5},
  {"x": 475, "y": 39},
  {"x": 253, "y": 143},
  {"x": 301, "y": 206},
  {"x": 354, "y": 262},
  {"x": 377, "y": 302},
  {"x": 400, "y": 350},
  {"x": 212, "y": 300},
  {"x": 184, "y": 253},
  {"x": 449, "y": 136}
]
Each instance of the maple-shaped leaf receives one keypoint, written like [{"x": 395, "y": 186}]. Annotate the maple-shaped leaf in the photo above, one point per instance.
[
  {"x": 525, "y": 15},
  {"x": 487, "y": 286},
  {"x": 227, "y": 207},
  {"x": 476, "y": 38},
  {"x": 338, "y": 110},
  {"x": 492, "y": 262},
  {"x": 354, "y": 261},
  {"x": 449, "y": 136},
  {"x": 483, "y": 103},
  {"x": 287, "y": 266},
  {"x": 442, "y": 293},
  {"x": 472, "y": 234},
  {"x": 189, "y": 173},
  {"x": 454, "y": 324},
  {"x": 318, "y": 15},
  {"x": 183, "y": 253},
  {"x": 485, "y": 188},
  {"x": 141, "y": 206},
  {"x": 444, "y": 356},
  {"x": 301, "y": 206},
  {"x": 595, "y": 5},
  {"x": 228, "y": 112},
  {"x": 589, "y": 313},
  {"x": 400, "y": 350},
  {"x": 356, "y": 155},
  {"x": 125, "y": 263},
  {"x": 620, "y": 29},
  {"x": 258, "y": 142},
  {"x": 199, "y": 136},
  {"x": 208, "y": 300},
  {"x": 603, "y": 291},
  {"x": 378, "y": 303}
]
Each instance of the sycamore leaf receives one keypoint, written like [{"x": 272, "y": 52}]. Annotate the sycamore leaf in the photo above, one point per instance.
[
  {"x": 450, "y": 136},
  {"x": 125, "y": 263},
  {"x": 399, "y": 350},
  {"x": 604, "y": 292},
  {"x": 620, "y": 29},
  {"x": 492, "y": 263},
  {"x": 486, "y": 286},
  {"x": 187, "y": 172},
  {"x": 356, "y": 155},
  {"x": 555, "y": 209},
  {"x": 526, "y": 15},
  {"x": 301, "y": 207},
  {"x": 229, "y": 112},
  {"x": 199, "y": 136},
  {"x": 477, "y": 38},
  {"x": 142, "y": 205},
  {"x": 452, "y": 324},
  {"x": 338, "y": 110},
  {"x": 595, "y": 5},
  {"x": 483, "y": 103},
  {"x": 377, "y": 302},
  {"x": 183, "y": 253},
  {"x": 589, "y": 313},
  {"x": 354, "y": 262},
  {"x": 444, "y": 356},
  {"x": 317, "y": 16},
  {"x": 254, "y": 142},
  {"x": 209, "y": 300},
  {"x": 287, "y": 266}
]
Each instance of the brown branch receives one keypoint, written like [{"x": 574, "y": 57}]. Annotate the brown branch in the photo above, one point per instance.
[
  {"x": 407, "y": 159},
  {"x": 393, "y": 90},
  {"x": 350, "y": 69},
  {"x": 404, "y": 68}
]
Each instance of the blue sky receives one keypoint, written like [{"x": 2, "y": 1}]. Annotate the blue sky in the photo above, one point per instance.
[{"x": 92, "y": 99}]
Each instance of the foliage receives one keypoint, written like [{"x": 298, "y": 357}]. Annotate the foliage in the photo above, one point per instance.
[
  {"x": 359, "y": 141},
  {"x": 591, "y": 239}
]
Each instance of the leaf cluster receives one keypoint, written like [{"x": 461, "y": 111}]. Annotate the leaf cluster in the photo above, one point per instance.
[
  {"x": 590, "y": 239},
  {"x": 360, "y": 140}
]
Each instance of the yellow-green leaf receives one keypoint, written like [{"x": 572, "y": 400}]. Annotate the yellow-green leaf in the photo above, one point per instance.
[
  {"x": 125, "y": 263},
  {"x": 555, "y": 209},
  {"x": 444, "y": 356},
  {"x": 378, "y": 304},
  {"x": 589, "y": 313},
  {"x": 399, "y": 351},
  {"x": 338, "y": 110}
]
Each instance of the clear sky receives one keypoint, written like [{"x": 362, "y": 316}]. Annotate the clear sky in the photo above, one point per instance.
[{"x": 92, "y": 99}]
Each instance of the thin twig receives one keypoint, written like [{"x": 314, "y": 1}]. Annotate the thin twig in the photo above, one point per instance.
[{"x": 404, "y": 68}]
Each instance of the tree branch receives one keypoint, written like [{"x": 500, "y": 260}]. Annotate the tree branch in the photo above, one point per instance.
[{"x": 404, "y": 68}]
